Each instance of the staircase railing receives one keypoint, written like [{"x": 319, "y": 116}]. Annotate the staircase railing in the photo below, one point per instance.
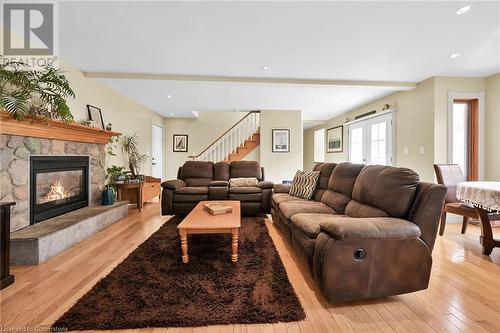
[{"x": 231, "y": 140}]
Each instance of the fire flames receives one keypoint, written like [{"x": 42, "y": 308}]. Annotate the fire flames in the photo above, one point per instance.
[{"x": 56, "y": 192}]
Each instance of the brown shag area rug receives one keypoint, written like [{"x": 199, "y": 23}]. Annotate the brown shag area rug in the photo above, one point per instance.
[{"x": 153, "y": 288}]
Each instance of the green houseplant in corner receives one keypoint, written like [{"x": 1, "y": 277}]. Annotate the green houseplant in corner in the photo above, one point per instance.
[{"x": 38, "y": 94}]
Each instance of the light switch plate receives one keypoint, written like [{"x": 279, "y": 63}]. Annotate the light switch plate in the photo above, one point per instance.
[{"x": 422, "y": 150}]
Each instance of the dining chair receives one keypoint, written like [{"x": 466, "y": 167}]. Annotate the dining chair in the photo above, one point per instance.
[{"x": 450, "y": 175}]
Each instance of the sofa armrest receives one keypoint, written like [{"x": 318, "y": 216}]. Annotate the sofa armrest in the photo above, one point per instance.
[
  {"x": 426, "y": 210},
  {"x": 265, "y": 184},
  {"x": 282, "y": 188},
  {"x": 219, "y": 183},
  {"x": 375, "y": 227},
  {"x": 173, "y": 184}
]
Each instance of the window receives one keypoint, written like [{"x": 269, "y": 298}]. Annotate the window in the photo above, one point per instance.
[
  {"x": 370, "y": 141},
  {"x": 460, "y": 136},
  {"x": 464, "y": 144},
  {"x": 319, "y": 145}
]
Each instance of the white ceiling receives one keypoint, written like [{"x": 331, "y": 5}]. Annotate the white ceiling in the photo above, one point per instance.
[{"x": 379, "y": 41}]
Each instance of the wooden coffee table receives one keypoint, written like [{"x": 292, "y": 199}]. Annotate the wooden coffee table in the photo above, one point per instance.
[{"x": 199, "y": 221}]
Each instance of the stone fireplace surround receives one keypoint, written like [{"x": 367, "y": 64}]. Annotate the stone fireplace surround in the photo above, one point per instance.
[{"x": 15, "y": 152}]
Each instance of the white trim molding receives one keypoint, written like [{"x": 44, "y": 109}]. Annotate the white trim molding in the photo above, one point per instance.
[{"x": 449, "y": 145}]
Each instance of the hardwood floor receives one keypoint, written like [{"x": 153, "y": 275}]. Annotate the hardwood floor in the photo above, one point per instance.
[{"x": 463, "y": 296}]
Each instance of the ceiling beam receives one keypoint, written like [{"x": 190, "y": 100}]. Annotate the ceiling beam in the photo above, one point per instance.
[{"x": 390, "y": 85}]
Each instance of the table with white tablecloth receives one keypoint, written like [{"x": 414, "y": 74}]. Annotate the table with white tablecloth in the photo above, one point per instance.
[{"x": 485, "y": 197}]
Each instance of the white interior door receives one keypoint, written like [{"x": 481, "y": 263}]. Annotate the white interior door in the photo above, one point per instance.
[
  {"x": 156, "y": 151},
  {"x": 370, "y": 141}
]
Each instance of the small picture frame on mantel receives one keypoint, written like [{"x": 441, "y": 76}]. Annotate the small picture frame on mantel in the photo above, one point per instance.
[{"x": 95, "y": 115}]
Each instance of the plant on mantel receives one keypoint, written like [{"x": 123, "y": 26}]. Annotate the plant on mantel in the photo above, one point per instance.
[{"x": 40, "y": 94}]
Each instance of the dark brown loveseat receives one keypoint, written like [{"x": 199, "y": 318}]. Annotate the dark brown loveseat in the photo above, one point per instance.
[
  {"x": 368, "y": 231},
  {"x": 197, "y": 181}
]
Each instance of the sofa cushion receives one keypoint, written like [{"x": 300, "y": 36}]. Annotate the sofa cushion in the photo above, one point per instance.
[
  {"x": 191, "y": 190},
  {"x": 340, "y": 186},
  {"x": 290, "y": 208},
  {"x": 243, "y": 169},
  {"x": 198, "y": 182},
  {"x": 278, "y": 198},
  {"x": 243, "y": 182},
  {"x": 377, "y": 227},
  {"x": 221, "y": 171},
  {"x": 386, "y": 188},
  {"x": 197, "y": 169},
  {"x": 325, "y": 171},
  {"x": 304, "y": 184},
  {"x": 309, "y": 223},
  {"x": 245, "y": 190}
]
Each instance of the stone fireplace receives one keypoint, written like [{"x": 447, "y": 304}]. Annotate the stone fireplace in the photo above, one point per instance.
[
  {"x": 16, "y": 153},
  {"x": 58, "y": 185}
]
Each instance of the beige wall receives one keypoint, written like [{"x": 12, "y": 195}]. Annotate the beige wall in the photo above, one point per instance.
[
  {"x": 201, "y": 131},
  {"x": 281, "y": 166},
  {"x": 422, "y": 121},
  {"x": 492, "y": 119},
  {"x": 414, "y": 129},
  {"x": 126, "y": 115}
]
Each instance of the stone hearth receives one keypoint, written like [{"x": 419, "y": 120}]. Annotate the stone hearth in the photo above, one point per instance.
[
  {"x": 39, "y": 242},
  {"x": 15, "y": 154}
]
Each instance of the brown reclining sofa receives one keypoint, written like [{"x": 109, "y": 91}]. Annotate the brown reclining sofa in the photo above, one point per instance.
[
  {"x": 197, "y": 181},
  {"x": 367, "y": 232}
]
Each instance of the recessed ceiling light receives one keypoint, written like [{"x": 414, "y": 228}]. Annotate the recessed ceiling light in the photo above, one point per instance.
[
  {"x": 464, "y": 9},
  {"x": 264, "y": 67},
  {"x": 455, "y": 55},
  {"x": 169, "y": 96}
]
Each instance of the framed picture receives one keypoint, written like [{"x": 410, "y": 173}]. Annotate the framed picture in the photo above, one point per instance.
[
  {"x": 95, "y": 115},
  {"x": 335, "y": 139},
  {"x": 281, "y": 140},
  {"x": 180, "y": 143}
]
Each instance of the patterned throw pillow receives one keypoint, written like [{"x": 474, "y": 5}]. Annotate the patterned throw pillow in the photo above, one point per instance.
[
  {"x": 243, "y": 182},
  {"x": 304, "y": 184}
]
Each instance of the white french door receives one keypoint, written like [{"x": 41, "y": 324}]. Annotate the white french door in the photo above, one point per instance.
[{"x": 370, "y": 141}]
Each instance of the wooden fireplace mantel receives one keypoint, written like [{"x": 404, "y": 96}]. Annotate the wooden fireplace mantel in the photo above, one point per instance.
[{"x": 54, "y": 130}]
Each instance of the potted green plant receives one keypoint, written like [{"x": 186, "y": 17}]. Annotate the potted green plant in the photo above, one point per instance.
[
  {"x": 130, "y": 147},
  {"x": 39, "y": 94}
]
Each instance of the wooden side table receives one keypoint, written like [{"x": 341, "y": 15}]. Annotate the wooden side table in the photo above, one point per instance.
[
  {"x": 6, "y": 278},
  {"x": 131, "y": 192}
]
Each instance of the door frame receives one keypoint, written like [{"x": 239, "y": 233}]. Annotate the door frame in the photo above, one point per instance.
[
  {"x": 452, "y": 96},
  {"x": 162, "y": 148}
]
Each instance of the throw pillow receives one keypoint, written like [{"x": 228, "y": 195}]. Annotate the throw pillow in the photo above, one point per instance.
[
  {"x": 304, "y": 184},
  {"x": 243, "y": 182}
]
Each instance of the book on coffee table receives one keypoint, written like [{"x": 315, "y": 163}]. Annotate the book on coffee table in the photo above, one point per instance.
[{"x": 217, "y": 208}]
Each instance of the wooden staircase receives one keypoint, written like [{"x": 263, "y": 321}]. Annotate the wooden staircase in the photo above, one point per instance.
[
  {"x": 248, "y": 146},
  {"x": 235, "y": 143}
]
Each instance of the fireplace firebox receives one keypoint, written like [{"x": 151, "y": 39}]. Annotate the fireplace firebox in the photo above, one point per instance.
[{"x": 58, "y": 185}]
